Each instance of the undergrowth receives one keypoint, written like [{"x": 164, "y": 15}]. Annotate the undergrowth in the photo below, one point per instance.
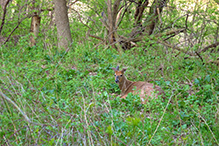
[{"x": 72, "y": 99}]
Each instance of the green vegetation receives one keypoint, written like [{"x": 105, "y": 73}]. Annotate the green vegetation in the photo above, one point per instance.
[
  {"x": 72, "y": 99},
  {"x": 72, "y": 95}
]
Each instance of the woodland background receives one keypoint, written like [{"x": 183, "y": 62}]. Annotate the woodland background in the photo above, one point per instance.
[{"x": 57, "y": 86}]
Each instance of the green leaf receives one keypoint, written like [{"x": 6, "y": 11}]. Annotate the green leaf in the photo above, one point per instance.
[{"x": 109, "y": 130}]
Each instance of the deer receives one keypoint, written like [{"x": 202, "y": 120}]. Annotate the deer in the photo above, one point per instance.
[{"x": 144, "y": 89}]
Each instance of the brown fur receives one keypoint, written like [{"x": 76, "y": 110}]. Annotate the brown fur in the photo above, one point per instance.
[{"x": 144, "y": 89}]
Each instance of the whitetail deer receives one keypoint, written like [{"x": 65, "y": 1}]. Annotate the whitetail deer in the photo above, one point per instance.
[{"x": 144, "y": 89}]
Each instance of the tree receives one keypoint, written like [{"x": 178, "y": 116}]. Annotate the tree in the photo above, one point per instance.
[
  {"x": 34, "y": 28},
  {"x": 134, "y": 23},
  {"x": 62, "y": 24},
  {"x": 138, "y": 24}
]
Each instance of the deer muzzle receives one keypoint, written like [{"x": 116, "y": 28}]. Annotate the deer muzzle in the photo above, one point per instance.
[{"x": 117, "y": 79}]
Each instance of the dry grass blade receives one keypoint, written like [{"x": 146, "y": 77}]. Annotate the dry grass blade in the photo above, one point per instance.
[
  {"x": 161, "y": 118},
  {"x": 18, "y": 108}
]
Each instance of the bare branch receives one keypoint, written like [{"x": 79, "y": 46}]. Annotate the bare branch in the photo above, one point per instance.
[
  {"x": 171, "y": 32},
  {"x": 4, "y": 14},
  {"x": 88, "y": 32},
  {"x": 210, "y": 46},
  {"x": 174, "y": 47},
  {"x": 117, "y": 18},
  {"x": 179, "y": 18},
  {"x": 79, "y": 17},
  {"x": 105, "y": 24},
  {"x": 139, "y": 10},
  {"x": 72, "y": 3},
  {"x": 93, "y": 36},
  {"x": 126, "y": 8},
  {"x": 199, "y": 56},
  {"x": 19, "y": 22}
]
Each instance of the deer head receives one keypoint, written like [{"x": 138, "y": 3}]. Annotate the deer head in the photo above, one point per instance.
[{"x": 119, "y": 75}]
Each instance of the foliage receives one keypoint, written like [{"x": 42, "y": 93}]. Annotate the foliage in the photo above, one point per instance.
[{"x": 72, "y": 98}]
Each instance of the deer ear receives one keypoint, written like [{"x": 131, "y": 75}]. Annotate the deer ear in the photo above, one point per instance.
[
  {"x": 123, "y": 70},
  {"x": 114, "y": 69}
]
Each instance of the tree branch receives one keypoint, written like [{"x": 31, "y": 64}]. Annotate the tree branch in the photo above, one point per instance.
[
  {"x": 126, "y": 8},
  {"x": 19, "y": 22},
  {"x": 174, "y": 47},
  {"x": 210, "y": 46},
  {"x": 4, "y": 14},
  {"x": 93, "y": 36},
  {"x": 139, "y": 10},
  {"x": 152, "y": 18},
  {"x": 199, "y": 57},
  {"x": 171, "y": 32}
]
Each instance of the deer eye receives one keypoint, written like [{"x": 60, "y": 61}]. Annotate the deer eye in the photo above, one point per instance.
[{"x": 120, "y": 75}]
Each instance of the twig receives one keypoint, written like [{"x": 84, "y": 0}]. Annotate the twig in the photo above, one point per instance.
[
  {"x": 199, "y": 57},
  {"x": 174, "y": 47},
  {"x": 178, "y": 19},
  {"x": 186, "y": 23},
  {"x": 123, "y": 14},
  {"x": 15, "y": 105},
  {"x": 72, "y": 3},
  {"x": 88, "y": 32},
  {"x": 171, "y": 32},
  {"x": 161, "y": 118},
  {"x": 19, "y": 22},
  {"x": 93, "y": 36},
  {"x": 199, "y": 116},
  {"x": 210, "y": 46}
]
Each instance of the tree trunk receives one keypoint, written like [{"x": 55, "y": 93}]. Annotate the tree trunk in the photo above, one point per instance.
[
  {"x": 155, "y": 10},
  {"x": 62, "y": 24},
  {"x": 35, "y": 27},
  {"x": 112, "y": 14}
]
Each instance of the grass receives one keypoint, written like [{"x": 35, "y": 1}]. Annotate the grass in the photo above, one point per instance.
[{"x": 70, "y": 98}]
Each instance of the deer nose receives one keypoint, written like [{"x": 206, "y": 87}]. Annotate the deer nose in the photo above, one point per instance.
[{"x": 117, "y": 80}]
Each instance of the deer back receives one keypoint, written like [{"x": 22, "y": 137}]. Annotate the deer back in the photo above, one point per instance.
[{"x": 144, "y": 89}]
